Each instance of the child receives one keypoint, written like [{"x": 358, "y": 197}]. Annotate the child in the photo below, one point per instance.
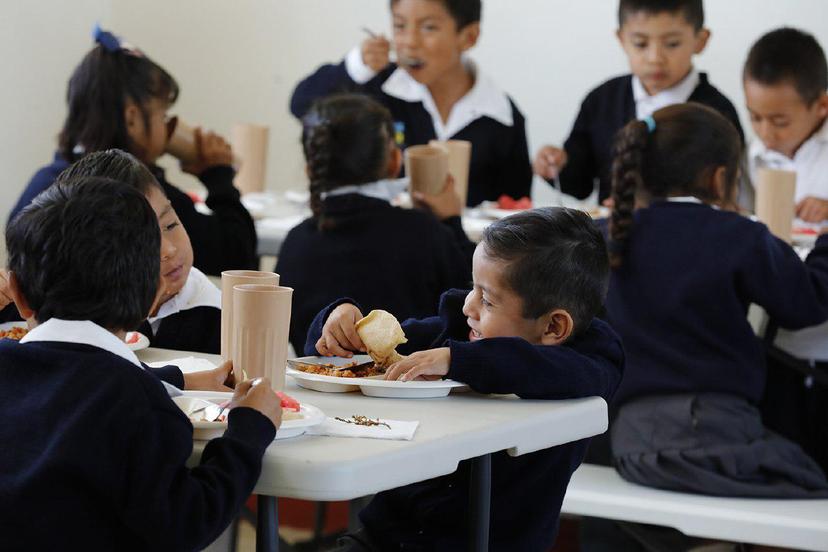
[
  {"x": 435, "y": 91},
  {"x": 118, "y": 98},
  {"x": 660, "y": 38},
  {"x": 356, "y": 244},
  {"x": 785, "y": 78},
  {"x": 527, "y": 327},
  {"x": 189, "y": 315},
  {"x": 684, "y": 273},
  {"x": 99, "y": 451}
]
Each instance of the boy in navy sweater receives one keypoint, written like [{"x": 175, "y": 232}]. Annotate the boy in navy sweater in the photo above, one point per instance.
[
  {"x": 660, "y": 38},
  {"x": 528, "y": 328},
  {"x": 434, "y": 91},
  {"x": 95, "y": 449}
]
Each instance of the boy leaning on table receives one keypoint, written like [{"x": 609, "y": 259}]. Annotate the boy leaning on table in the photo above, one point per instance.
[
  {"x": 94, "y": 450},
  {"x": 527, "y": 327}
]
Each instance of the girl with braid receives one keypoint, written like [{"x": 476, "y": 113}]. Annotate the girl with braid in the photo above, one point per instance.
[
  {"x": 356, "y": 244},
  {"x": 685, "y": 268}
]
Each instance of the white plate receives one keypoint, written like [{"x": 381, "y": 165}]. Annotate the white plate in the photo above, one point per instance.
[
  {"x": 374, "y": 386},
  {"x": 15, "y": 324},
  {"x": 142, "y": 343},
  {"x": 204, "y": 431}
]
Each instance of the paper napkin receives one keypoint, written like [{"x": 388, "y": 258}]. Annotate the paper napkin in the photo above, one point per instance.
[{"x": 387, "y": 429}]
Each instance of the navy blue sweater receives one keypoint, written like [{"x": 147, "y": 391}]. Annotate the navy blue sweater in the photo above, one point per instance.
[
  {"x": 680, "y": 299},
  {"x": 386, "y": 257},
  {"x": 197, "y": 329},
  {"x": 603, "y": 113},
  {"x": 527, "y": 490},
  {"x": 94, "y": 456},
  {"x": 224, "y": 240},
  {"x": 499, "y": 157}
]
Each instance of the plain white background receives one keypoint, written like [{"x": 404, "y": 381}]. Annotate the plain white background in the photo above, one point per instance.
[{"x": 239, "y": 61}]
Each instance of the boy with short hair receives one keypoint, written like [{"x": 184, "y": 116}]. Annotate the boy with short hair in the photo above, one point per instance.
[
  {"x": 527, "y": 327},
  {"x": 434, "y": 91},
  {"x": 660, "y": 38},
  {"x": 95, "y": 449},
  {"x": 785, "y": 79}
]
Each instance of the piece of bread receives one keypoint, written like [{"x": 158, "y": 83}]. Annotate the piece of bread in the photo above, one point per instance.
[{"x": 381, "y": 333}]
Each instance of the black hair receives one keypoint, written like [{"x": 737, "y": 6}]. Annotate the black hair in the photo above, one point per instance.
[
  {"x": 347, "y": 139},
  {"x": 692, "y": 10},
  {"x": 464, "y": 12},
  {"x": 87, "y": 250},
  {"x": 115, "y": 164},
  {"x": 789, "y": 55},
  {"x": 557, "y": 259},
  {"x": 97, "y": 95},
  {"x": 678, "y": 158}
]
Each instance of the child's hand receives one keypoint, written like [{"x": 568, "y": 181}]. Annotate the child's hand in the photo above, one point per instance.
[
  {"x": 549, "y": 162},
  {"x": 258, "y": 395},
  {"x": 812, "y": 209},
  {"x": 375, "y": 52},
  {"x": 339, "y": 335},
  {"x": 213, "y": 151},
  {"x": 5, "y": 294},
  {"x": 217, "y": 379},
  {"x": 444, "y": 205},
  {"x": 428, "y": 365}
]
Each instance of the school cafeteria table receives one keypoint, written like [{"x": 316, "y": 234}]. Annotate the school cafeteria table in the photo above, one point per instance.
[{"x": 459, "y": 427}]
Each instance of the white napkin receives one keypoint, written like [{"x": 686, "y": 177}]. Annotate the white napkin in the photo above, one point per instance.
[
  {"x": 398, "y": 430},
  {"x": 185, "y": 364}
]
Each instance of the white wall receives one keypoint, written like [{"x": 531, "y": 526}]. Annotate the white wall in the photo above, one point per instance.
[{"x": 238, "y": 61}]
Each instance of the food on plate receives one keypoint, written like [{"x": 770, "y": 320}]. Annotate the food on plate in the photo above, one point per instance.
[
  {"x": 15, "y": 333},
  {"x": 380, "y": 332},
  {"x": 132, "y": 338},
  {"x": 290, "y": 406},
  {"x": 349, "y": 370},
  {"x": 510, "y": 203}
]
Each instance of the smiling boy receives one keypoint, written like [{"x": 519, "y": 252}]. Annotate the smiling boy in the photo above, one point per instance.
[
  {"x": 527, "y": 327},
  {"x": 659, "y": 38}
]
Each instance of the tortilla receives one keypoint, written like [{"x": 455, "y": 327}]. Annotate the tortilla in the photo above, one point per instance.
[{"x": 381, "y": 333}]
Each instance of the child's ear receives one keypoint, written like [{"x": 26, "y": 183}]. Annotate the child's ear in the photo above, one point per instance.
[
  {"x": 19, "y": 299},
  {"x": 131, "y": 116},
  {"x": 822, "y": 105},
  {"x": 395, "y": 160},
  {"x": 718, "y": 184},
  {"x": 702, "y": 36},
  {"x": 469, "y": 35},
  {"x": 559, "y": 326}
]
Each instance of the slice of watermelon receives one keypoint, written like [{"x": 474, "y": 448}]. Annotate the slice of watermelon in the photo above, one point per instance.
[{"x": 288, "y": 402}]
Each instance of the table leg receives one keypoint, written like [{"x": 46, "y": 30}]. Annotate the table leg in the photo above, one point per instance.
[
  {"x": 480, "y": 488},
  {"x": 267, "y": 524}
]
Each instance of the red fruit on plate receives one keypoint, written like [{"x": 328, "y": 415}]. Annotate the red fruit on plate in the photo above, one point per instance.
[
  {"x": 288, "y": 402},
  {"x": 132, "y": 337},
  {"x": 510, "y": 203}
]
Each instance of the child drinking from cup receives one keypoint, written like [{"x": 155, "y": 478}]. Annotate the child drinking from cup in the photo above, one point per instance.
[
  {"x": 119, "y": 98},
  {"x": 357, "y": 244},
  {"x": 434, "y": 90}
]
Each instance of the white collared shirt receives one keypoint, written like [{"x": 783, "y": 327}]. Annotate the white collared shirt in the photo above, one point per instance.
[
  {"x": 485, "y": 99},
  {"x": 646, "y": 105},
  {"x": 198, "y": 291},
  {"x": 810, "y": 163},
  {"x": 386, "y": 190},
  {"x": 86, "y": 332}
]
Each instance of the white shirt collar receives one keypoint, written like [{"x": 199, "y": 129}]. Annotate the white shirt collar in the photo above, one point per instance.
[
  {"x": 198, "y": 291},
  {"x": 646, "y": 105},
  {"x": 87, "y": 332},
  {"x": 386, "y": 190},
  {"x": 485, "y": 99}
]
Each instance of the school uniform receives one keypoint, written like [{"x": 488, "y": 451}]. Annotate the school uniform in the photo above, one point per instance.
[
  {"x": 680, "y": 306},
  {"x": 386, "y": 257},
  {"x": 609, "y": 108},
  {"x": 485, "y": 116},
  {"x": 96, "y": 450},
  {"x": 432, "y": 514},
  {"x": 190, "y": 320},
  {"x": 225, "y": 240}
]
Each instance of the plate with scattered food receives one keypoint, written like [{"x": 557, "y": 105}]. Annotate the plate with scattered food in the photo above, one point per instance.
[
  {"x": 13, "y": 330},
  {"x": 136, "y": 341},
  {"x": 207, "y": 411},
  {"x": 333, "y": 374}
]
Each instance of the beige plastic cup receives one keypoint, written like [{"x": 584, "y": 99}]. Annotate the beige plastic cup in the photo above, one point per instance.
[
  {"x": 426, "y": 167},
  {"x": 459, "y": 158},
  {"x": 181, "y": 142},
  {"x": 250, "y": 148},
  {"x": 775, "y": 191},
  {"x": 261, "y": 323},
  {"x": 230, "y": 278}
]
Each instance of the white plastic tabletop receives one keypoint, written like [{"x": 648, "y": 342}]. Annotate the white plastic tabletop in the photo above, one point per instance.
[{"x": 453, "y": 428}]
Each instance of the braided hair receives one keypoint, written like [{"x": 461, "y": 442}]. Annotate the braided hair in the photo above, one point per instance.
[
  {"x": 347, "y": 140},
  {"x": 678, "y": 157}
]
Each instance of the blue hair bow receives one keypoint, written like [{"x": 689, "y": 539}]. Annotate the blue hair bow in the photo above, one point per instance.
[{"x": 112, "y": 43}]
